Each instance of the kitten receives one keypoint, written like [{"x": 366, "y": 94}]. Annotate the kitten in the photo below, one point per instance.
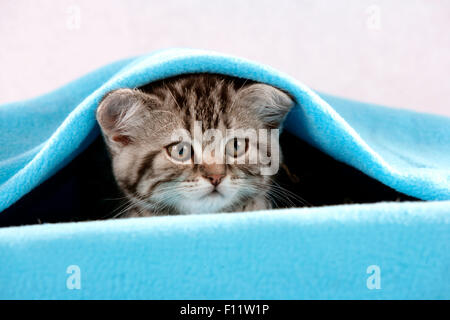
[{"x": 194, "y": 144}]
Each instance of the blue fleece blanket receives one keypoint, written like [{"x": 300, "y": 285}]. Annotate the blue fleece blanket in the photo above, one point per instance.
[{"x": 387, "y": 250}]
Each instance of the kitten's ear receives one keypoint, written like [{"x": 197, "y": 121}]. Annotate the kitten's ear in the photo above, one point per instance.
[
  {"x": 118, "y": 114},
  {"x": 271, "y": 104}
]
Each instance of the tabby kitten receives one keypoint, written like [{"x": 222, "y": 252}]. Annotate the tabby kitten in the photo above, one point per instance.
[{"x": 161, "y": 164}]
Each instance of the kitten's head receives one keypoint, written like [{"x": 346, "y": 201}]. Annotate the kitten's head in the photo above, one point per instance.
[{"x": 193, "y": 143}]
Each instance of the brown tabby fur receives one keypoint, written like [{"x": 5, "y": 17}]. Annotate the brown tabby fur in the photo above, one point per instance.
[{"x": 137, "y": 127}]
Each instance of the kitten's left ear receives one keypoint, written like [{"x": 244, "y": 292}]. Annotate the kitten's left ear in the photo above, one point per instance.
[
  {"x": 271, "y": 104},
  {"x": 119, "y": 114}
]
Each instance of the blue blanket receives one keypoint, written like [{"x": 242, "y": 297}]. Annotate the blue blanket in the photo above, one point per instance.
[{"x": 328, "y": 252}]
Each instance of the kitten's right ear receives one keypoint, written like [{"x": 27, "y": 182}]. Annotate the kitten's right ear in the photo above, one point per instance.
[
  {"x": 117, "y": 115},
  {"x": 269, "y": 103}
]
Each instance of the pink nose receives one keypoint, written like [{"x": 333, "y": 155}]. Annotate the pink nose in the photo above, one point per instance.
[{"x": 215, "y": 179}]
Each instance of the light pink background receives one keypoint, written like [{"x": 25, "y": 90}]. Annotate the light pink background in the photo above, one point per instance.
[{"x": 390, "y": 52}]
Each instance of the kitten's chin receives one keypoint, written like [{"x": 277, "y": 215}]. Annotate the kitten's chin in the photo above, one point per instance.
[{"x": 212, "y": 202}]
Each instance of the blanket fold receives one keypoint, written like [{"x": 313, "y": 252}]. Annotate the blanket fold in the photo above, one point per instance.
[{"x": 316, "y": 253}]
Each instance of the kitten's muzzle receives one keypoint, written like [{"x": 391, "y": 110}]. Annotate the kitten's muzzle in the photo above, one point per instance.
[
  {"x": 215, "y": 179},
  {"x": 214, "y": 173}
]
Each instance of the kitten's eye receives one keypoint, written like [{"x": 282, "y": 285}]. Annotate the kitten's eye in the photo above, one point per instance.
[
  {"x": 181, "y": 151},
  {"x": 236, "y": 147}
]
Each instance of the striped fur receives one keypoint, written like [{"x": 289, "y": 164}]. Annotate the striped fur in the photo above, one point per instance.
[{"x": 137, "y": 125}]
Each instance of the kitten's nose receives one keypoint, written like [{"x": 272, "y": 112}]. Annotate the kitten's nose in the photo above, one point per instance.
[{"x": 215, "y": 179}]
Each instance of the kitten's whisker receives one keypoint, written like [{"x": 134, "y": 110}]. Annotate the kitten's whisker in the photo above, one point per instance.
[
  {"x": 119, "y": 208},
  {"x": 119, "y": 198},
  {"x": 284, "y": 194},
  {"x": 123, "y": 210},
  {"x": 276, "y": 195},
  {"x": 294, "y": 195}
]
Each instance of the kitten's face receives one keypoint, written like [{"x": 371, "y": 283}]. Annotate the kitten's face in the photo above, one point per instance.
[{"x": 161, "y": 141}]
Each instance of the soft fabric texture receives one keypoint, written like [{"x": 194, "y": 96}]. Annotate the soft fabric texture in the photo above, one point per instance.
[
  {"x": 319, "y": 253},
  {"x": 298, "y": 253}
]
